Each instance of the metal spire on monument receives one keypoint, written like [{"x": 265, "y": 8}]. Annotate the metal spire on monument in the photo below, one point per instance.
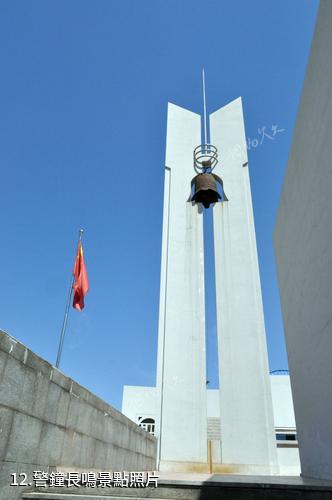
[
  {"x": 204, "y": 106},
  {"x": 205, "y": 160}
]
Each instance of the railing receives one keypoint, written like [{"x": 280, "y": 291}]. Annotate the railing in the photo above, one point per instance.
[{"x": 279, "y": 372}]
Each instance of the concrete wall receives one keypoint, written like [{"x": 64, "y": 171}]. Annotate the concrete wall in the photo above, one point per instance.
[
  {"x": 284, "y": 419},
  {"x": 283, "y": 409},
  {"x": 47, "y": 420},
  {"x": 213, "y": 403},
  {"x": 303, "y": 237},
  {"x": 138, "y": 401}
]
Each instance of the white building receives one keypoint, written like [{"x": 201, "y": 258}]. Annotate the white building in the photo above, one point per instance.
[
  {"x": 303, "y": 241},
  {"x": 184, "y": 411},
  {"x": 141, "y": 405}
]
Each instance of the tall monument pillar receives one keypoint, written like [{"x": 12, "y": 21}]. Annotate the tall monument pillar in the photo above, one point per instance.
[
  {"x": 247, "y": 427},
  {"x": 248, "y": 442},
  {"x": 181, "y": 370}
]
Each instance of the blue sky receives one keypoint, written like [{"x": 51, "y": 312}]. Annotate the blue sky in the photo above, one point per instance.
[{"x": 84, "y": 92}]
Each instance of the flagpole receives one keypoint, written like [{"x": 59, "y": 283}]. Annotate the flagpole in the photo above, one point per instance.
[{"x": 65, "y": 319}]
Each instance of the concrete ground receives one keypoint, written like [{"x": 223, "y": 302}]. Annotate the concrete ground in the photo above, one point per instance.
[
  {"x": 185, "y": 486},
  {"x": 199, "y": 478}
]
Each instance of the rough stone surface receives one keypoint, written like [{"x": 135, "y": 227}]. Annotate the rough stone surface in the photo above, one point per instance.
[{"x": 47, "y": 421}]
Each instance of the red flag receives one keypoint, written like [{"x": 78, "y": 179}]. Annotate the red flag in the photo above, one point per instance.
[{"x": 81, "y": 282}]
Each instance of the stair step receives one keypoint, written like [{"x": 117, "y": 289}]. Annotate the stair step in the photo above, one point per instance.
[
  {"x": 78, "y": 496},
  {"x": 217, "y": 488}
]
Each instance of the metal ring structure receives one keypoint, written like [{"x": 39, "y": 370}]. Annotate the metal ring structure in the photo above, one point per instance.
[{"x": 205, "y": 156}]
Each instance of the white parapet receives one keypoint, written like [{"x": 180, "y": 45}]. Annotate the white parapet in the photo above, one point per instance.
[
  {"x": 247, "y": 428},
  {"x": 181, "y": 371}
]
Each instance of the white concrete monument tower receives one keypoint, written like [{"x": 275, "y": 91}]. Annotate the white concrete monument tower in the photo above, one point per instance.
[{"x": 247, "y": 427}]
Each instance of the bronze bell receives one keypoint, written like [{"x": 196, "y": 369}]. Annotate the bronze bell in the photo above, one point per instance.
[{"x": 205, "y": 190}]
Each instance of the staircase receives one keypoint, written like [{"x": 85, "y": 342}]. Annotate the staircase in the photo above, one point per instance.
[{"x": 215, "y": 487}]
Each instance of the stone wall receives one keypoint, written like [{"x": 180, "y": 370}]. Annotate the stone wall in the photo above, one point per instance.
[{"x": 47, "y": 420}]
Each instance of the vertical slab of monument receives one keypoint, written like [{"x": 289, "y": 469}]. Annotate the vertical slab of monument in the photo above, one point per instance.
[
  {"x": 247, "y": 428},
  {"x": 181, "y": 370}
]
